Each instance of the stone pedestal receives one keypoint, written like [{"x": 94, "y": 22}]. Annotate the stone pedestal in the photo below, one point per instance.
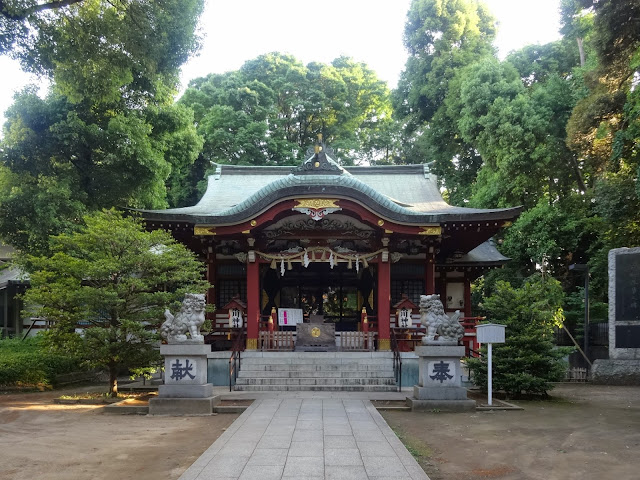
[
  {"x": 439, "y": 380},
  {"x": 185, "y": 390}
]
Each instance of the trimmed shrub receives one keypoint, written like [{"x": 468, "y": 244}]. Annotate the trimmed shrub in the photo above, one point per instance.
[{"x": 29, "y": 362}]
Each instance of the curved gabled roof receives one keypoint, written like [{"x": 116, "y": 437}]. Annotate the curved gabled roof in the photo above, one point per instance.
[{"x": 407, "y": 193}]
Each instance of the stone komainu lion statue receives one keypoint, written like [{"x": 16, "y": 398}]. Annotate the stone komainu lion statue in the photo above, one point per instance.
[
  {"x": 437, "y": 322},
  {"x": 188, "y": 320}
]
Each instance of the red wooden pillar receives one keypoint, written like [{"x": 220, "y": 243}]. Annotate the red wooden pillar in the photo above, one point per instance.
[
  {"x": 384, "y": 305},
  {"x": 211, "y": 278},
  {"x": 253, "y": 304},
  {"x": 364, "y": 321},
  {"x": 430, "y": 274}
]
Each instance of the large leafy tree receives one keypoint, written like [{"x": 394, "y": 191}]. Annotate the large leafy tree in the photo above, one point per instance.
[
  {"x": 108, "y": 50},
  {"x": 442, "y": 37},
  {"x": 115, "y": 278},
  {"x": 61, "y": 159},
  {"x": 604, "y": 128},
  {"x": 107, "y": 134},
  {"x": 273, "y": 108}
]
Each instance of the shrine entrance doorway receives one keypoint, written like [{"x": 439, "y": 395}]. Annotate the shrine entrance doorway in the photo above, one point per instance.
[{"x": 338, "y": 293}]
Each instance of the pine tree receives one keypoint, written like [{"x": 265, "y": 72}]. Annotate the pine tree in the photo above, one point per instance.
[{"x": 528, "y": 361}]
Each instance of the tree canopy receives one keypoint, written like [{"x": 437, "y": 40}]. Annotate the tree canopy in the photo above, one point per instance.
[
  {"x": 552, "y": 127},
  {"x": 108, "y": 133},
  {"x": 279, "y": 106}
]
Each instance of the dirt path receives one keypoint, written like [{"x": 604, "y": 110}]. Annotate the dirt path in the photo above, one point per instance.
[
  {"x": 67, "y": 442},
  {"x": 585, "y": 433}
]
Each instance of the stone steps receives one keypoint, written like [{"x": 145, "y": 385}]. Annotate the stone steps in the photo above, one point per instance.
[
  {"x": 310, "y": 373},
  {"x": 315, "y": 381},
  {"x": 316, "y": 362},
  {"x": 318, "y": 388},
  {"x": 316, "y": 372}
]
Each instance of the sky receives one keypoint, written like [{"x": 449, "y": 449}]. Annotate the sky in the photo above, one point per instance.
[{"x": 369, "y": 31}]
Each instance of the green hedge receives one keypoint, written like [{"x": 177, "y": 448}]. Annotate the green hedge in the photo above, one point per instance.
[{"x": 28, "y": 362}]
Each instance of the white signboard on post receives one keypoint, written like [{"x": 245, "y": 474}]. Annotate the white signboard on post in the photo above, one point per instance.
[
  {"x": 289, "y": 316},
  {"x": 490, "y": 333}
]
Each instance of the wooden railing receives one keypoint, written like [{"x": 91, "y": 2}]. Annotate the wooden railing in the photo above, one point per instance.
[
  {"x": 357, "y": 341},
  {"x": 408, "y": 338},
  {"x": 276, "y": 341}
]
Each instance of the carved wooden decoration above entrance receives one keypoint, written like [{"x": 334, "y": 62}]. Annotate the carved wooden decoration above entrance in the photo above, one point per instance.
[{"x": 316, "y": 208}]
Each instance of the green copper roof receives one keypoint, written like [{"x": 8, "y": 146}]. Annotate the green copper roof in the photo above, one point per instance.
[{"x": 407, "y": 193}]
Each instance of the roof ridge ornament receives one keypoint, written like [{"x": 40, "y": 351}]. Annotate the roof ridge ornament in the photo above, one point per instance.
[{"x": 320, "y": 162}]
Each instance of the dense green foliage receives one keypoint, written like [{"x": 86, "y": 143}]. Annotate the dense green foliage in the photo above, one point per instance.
[
  {"x": 30, "y": 362},
  {"x": 528, "y": 361},
  {"x": 271, "y": 110},
  {"x": 107, "y": 134},
  {"x": 553, "y": 128},
  {"x": 116, "y": 278}
]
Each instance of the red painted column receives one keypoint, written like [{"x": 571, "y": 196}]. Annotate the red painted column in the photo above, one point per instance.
[
  {"x": 253, "y": 304},
  {"x": 430, "y": 274},
  {"x": 384, "y": 305}
]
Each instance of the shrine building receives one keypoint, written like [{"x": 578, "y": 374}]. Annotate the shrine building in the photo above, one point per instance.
[{"x": 347, "y": 245}]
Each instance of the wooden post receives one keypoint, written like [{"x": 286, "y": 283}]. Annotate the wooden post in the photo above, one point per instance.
[
  {"x": 430, "y": 274},
  {"x": 384, "y": 305},
  {"x": 272, "y": 319},
  {"x": 253, "y": 304},
  {"x": 364, "y": 321}
]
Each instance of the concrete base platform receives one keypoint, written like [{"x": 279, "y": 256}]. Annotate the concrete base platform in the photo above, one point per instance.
[
  {"x": 185, "y": 391},
  {"x": 126, "y": 409},
  {"x": 441, "y": 405},
  {"x": 182, "y": 406},
  {"x": 616, "y": 372},
  {"x": 444, "y": 393}
]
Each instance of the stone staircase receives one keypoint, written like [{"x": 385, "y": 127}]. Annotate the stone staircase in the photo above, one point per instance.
[{"x": 313, "y": 371}]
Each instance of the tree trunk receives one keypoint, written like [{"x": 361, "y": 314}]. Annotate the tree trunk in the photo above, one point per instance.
[
  {"x": 578, "y": 173},
  {"x": 113, "y": 381}
]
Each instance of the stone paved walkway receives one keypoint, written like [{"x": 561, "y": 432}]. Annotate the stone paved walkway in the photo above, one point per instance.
[{"x": 307, "y": 438}]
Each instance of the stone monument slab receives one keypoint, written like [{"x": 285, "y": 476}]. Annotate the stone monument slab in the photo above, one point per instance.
[
  {"x": 624, "y": 321},
  {"x": 312, "y": 337}
]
